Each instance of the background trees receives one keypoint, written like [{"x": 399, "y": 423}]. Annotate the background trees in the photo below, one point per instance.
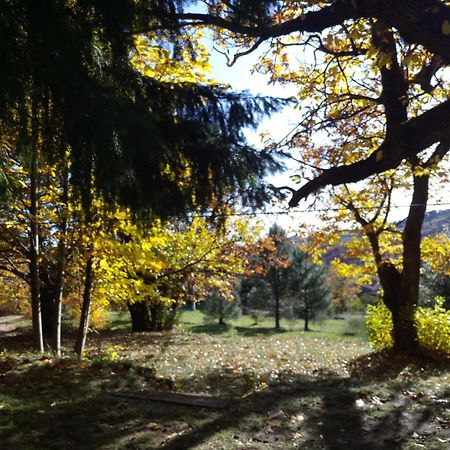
[{"x": 284, "y": 282}]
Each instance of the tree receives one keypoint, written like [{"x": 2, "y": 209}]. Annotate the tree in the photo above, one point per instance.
[
  {"x": 156, "y": 267},
  {"x": 271, "y": 264},
  {"x": 308, "y": 288},
  {"x": 375, "y": 88},
  {"x": 218, "y": 307},
  {"x": 344, "y": 292}
]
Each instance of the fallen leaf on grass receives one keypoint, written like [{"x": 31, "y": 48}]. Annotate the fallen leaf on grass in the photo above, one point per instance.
[
  {"x": 273, "y": 423},
  {"x": 298, "y": 419},
  {"x": 153, "y": 426}
]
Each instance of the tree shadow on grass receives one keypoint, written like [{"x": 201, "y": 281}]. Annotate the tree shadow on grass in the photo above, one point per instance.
[
  {"x": 257, "y": 331},
  {"x": 211, "y": 328},
  {"x": 339, "y": 413},
  {"x": 65, "y": 405}
]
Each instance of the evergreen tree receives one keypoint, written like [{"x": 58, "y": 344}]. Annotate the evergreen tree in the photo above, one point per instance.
[
  {"x": 309, "y": 292},
  {"x": 216, "y": 306}
]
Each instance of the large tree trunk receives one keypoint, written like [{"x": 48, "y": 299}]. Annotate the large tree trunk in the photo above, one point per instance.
[
  {"x": 47, "y": 297},
  {"x": 405, "y": 331},
  {"x": 140, "y": 316},
  {"x": 401, "y": 289},
  {"x": 156, "y": 317}
]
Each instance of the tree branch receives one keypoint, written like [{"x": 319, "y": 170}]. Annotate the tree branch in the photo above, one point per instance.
[{"x": 416, "y": 135}]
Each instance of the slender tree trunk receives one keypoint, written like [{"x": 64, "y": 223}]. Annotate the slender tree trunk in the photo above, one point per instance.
[
  {"x": 306, "y": 325},
  {"x": 140, "y": 316},
  {"x": 276, "y": 295},
  {"x": 38, "y": 339},
  {"x": 86, "y": 307},
  {"x": 60, "y": 272},
  {"x": 47, "y": 298},
  {"x": 57, "y": 311},
  {"x": 221, "y": 312},
  {"x": 89, "y": 271}
]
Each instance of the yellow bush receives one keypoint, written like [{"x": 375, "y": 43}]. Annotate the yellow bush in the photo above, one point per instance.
[
  {"x": 379, "y": 326},
  {"x": 433, "y": 327}
]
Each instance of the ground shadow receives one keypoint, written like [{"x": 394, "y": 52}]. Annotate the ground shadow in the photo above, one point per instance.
[
  {"x": 256, "y": 331},
  {"x": 65, "y": 405}
]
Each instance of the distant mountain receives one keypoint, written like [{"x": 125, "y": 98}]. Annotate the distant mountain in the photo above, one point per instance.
[{"x": 434, "y": 222}]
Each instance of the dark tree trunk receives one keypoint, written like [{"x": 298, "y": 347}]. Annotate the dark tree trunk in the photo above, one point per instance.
[
  {"x": 140, "y": 316},
  {"x": 47, "y": 296},
  {"x": 276, "y": 296},
  {"x": 306, "y": 318},
  {"x": 405, "y": 331},
  {"x": 401, "y": 289},
  {"x": 156, "y": 318},
  {"x": 86, "y": 307}
]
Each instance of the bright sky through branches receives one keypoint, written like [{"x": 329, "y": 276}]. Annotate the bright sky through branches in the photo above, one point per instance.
[{"x": 240, "y": 76}]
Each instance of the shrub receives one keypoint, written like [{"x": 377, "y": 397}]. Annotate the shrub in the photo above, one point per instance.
[
  {"x": 379, "y": 326},
  {"x": 433, "y": 327}
]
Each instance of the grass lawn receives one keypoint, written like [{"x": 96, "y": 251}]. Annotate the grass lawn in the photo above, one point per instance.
[{"x": 322, "y": 389}]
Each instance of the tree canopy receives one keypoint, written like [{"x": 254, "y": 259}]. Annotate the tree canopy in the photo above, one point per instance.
[
  {"x": 346, "y": 31},
  {"x": 160, "y": 144}
]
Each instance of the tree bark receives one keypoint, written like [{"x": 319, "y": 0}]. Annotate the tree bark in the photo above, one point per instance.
[
  {"x": 38, "y": 339},
  {"x": 86, "y": 307},
  {"x": 401, "y": 289},
  {"x": 405, "y": 331},
  {"x": 276, "y": 295},
  {"x": 47, "y": 297},
  {"x": 60, "y": 272},
  {"x": 140, "y": 316},
  {"x": 306, "y": 319}
]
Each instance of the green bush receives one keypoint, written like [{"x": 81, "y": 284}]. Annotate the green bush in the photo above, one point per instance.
[{"x": 433, "y": 327}]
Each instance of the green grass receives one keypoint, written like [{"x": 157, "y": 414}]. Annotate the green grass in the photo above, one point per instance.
[
  {"x": 317, "y": 390},
  {"x": 196, "y": 321}
]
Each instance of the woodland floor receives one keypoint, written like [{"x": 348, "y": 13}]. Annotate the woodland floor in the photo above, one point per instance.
[{"x": 316, "y": 390}]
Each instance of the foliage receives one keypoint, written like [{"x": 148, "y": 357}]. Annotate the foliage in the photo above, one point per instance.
[
  {"x": 309, "y": 291},
  {"x": 433, "y": 327},
  {"x": 379, "y": 326},
  {"x": 83, "y": 82},
  {"x": 344, "y": 291},
  {"x": 216, "y": 306},
  {"x": 369, "y": 84},
  {"x": 171, "y": 263},
  {"x": 433, "y": 285}
]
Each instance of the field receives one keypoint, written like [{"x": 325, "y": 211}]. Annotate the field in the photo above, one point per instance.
[{"x": 322, "y": 389}]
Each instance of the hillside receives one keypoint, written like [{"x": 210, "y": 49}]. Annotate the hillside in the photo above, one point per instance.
[{"x": 434, "y": 223}]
